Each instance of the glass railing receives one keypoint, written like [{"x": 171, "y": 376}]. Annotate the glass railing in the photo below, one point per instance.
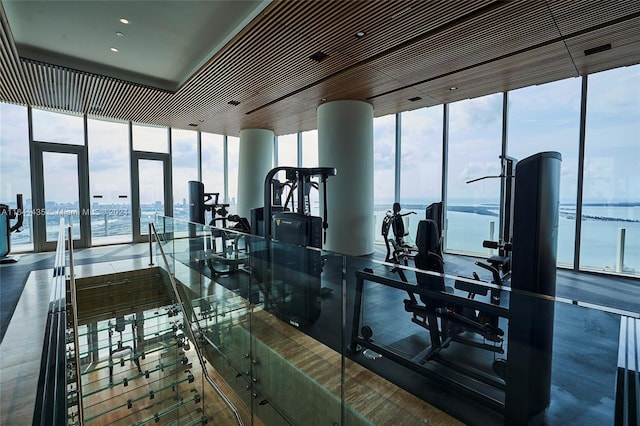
[
  {"x": 298, "y": 335},
  {"x": 135, "y": 358}
]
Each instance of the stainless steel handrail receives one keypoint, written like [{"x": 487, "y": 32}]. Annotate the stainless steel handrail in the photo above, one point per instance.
[
  {"x": 189, "y": 328},
  {"x": 74, "y": 306}
]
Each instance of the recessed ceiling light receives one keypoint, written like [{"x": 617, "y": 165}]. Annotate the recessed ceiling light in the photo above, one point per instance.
[
  {"x": 453, "y": 88},
  {"x": 124, "y": 21},
  {"x": 119, "y": 34},
  {"x": 416, "y": 98},
  {"x": 323, "y": 100},
  {"x": 114, "y": 49},
  {"x": 360, "y": 34}
]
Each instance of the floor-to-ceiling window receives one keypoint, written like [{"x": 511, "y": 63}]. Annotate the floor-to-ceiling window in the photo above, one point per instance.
[
  {"x": 15, "y": 166},
  {"x": 233, "y": 158},
  {"x": 310, "y": 159},
  {"x": 110, "y": 181},
  {"x": 475, "y": 145},
  {"x": 611, "y": 191},
  {"x": 384, "y": 168},
  {"x": 547, "y": 118},
  {"x": 151, "y": 177},
  {"x": 420, "y": 163},
  {"x": 184, "y": 162},
  {"x": 61, "y": 179},
  {"x": 288, "y": 150},
  {"x": 213, "y": 163}
]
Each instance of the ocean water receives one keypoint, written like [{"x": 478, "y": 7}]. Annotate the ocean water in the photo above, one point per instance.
[
  {"x": 465, "y": 231},
  {"x": 601, "y": 225}
]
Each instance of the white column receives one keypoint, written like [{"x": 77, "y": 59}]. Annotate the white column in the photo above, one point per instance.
[
  {"x": 345, "y": 141},
  {"x": 256, "y": 159}
]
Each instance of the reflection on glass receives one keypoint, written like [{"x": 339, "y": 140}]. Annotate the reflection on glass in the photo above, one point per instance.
[
  {"x": 611, "y": 196},
  {"x": 384, "y": 154},
  {"x": 110, "y": 182},
  {"x": 420, "y": 163},
  {"x": 475, "y": 128},
  {"x": 184, "y": 157},
  {"x": 547, "y": 118},
  {"x": 15, "y": 169},
  {"x": 150, "y": 139},
  {"x": 61, "y": 193},
  {"x": 151, "y": 192},
  {"x": 51, "y": 126}
]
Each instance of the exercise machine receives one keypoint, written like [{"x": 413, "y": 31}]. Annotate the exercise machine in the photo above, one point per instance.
[
  {"x": 502, "y": 261},
  {"x": 6, "y": 215},
  {"x": 287, "y": 262},
  {"x": 398, "y": 250},
  {"x": 521, "y": 387},
  {"x": 224, "y": 251}
]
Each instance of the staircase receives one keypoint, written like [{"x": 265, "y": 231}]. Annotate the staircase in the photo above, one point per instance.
[{"x": 137, "y": 369}]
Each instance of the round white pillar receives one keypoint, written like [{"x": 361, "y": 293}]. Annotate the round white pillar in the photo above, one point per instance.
[
  {"x": 345, "y": 141},
  {"x": 256, "y": 159}
]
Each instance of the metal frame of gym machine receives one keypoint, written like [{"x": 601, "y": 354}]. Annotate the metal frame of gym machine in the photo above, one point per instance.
[
  {"x": 527, "y": 384},
  {"x": 286, "y": 264}
]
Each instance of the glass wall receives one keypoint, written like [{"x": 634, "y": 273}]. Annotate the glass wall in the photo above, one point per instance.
[
  {"x": 150, "y": 139},
  {"x": 16, "y": 170},
  {"x": 109, "y": 181},
  {"x": 184, "y": 161},
  {"x": 288, "y": 150},
  {"x": 475, "y": 145},
  {"x": 310, "y": 159},
  {"x": 213, "y": 163},
  {"x": 49, "y": 126},
  {"x": 420, "y": 163},
  {"x": 547, "y": 118},
  {"x": 611, "y": 192},
  {"x": 384, "y": 169},
  {"x": 233, "y": 153},
  {"x": 540, "y": 118},
  {"x": 310, "y": 149}
]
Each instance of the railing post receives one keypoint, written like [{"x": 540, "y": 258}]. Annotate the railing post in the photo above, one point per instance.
[
  {"x": 620, "y": 250},
  {"x": 76, "y": 343},
  {"x": 150, "y": 245}
]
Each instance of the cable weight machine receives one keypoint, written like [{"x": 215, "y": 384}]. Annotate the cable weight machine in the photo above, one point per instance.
[{"x": 285, "y": 263}]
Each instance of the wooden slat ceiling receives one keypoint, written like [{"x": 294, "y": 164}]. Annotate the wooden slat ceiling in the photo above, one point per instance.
[{"x": 411, "y": 49}]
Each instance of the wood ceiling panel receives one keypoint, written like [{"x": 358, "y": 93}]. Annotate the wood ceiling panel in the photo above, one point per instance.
[
  {"x": 387, "y": 24},
  {"x": 576, "y": 15},
  {"x": 472, "y": 44},
  {"x": 512, "y": 72},
  {"x": 412, "y": 48},
  {"x": 625, "y": 47}
]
